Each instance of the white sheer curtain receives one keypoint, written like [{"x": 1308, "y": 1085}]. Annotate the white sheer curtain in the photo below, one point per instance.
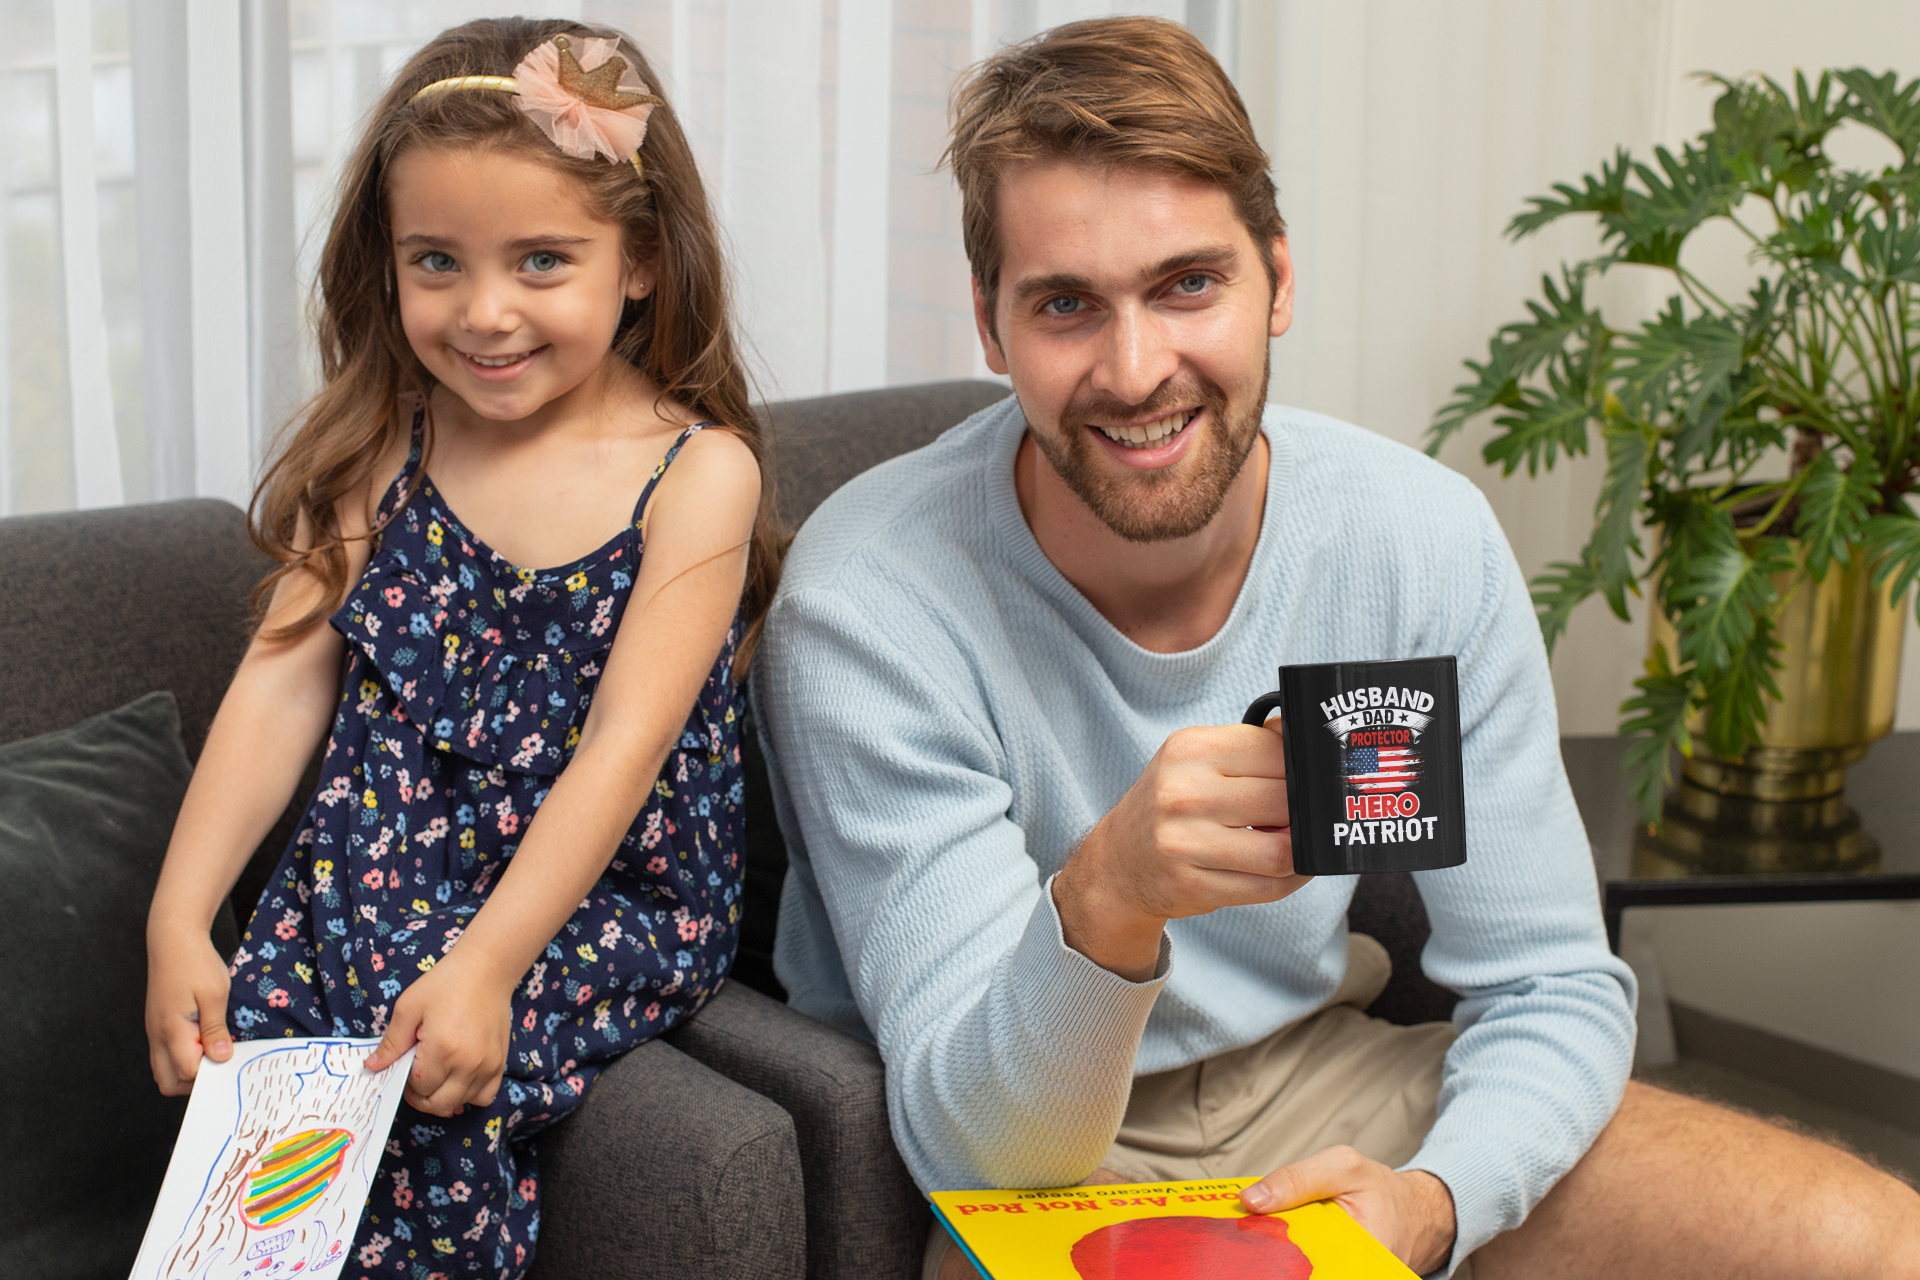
[{"x": 168, "y": 166}]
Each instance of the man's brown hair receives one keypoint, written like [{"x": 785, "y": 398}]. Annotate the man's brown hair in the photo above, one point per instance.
[{"x": 1111, "y": 92}]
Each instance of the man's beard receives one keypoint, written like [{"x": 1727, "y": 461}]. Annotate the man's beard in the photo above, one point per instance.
[{"x": 1156, "y": 506}]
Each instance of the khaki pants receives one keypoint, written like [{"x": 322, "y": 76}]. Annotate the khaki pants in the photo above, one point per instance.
[{"x": 1335, "y": 1077}]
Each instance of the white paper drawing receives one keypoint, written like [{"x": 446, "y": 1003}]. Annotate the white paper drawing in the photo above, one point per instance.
[{"x": 274, "y": 1162}]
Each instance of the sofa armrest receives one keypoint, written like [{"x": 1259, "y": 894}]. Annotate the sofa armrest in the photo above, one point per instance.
[
  {"x": 666, "y": 1169},
  {"x": 865, "y": 1218}
]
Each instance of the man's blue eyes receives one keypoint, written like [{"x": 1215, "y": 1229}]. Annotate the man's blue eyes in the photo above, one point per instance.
[{"x": 1066, "y": 305}]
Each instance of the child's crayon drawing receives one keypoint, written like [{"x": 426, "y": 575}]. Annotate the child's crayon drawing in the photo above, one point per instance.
[{"x": 274, "y": 1161}]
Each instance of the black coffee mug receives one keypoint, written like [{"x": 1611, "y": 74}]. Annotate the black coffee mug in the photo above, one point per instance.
[{"x": 1373, "y": 764}]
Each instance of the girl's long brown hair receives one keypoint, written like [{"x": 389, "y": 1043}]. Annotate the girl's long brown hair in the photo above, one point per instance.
[{"x": 680, "y": 336}]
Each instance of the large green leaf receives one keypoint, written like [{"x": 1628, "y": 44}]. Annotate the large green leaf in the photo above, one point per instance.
[
  {"x": 1629, "y": 451},
  {"x": 1894, "y": 540},
  {"x": 1689, "y": 522},
  {"x": 1534, "y": 342},
  {"x": 1727, "y": 415},
  {"x": 1833, "y": 510},
  {"x": 1557, "y": 592},
  {"x": 1816, "y": 112},
  {"x": 1752, "y": 115},
  {"x": 1726, "y": 592},
  {"x": 1517, "y": 351},
  {"x": 1765, "y": 124},
  {"x": 1889, "y": 252},
  {"x": 1882, "y": 103},
  {"x": 1656, "y": 722},
  {"x": 1689, "y": 373},
  {"x": 1697, "y": 184},
  {"x": 1716, "y": 352},
  {"x": 1652, "y": 362},
  {"x": 1545, "y": 424},
  {"x": 1604, "y": 195},
  {"x": 1494, "y": 384},
  {"x": 1813, "y": 235},
  {"x": 1735, "y": 698}
]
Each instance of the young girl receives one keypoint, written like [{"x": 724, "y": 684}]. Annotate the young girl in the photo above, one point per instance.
[{"x": 524, "y": 855}]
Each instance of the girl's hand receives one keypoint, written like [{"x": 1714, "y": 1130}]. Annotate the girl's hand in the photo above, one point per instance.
[
  {"x": 186, "y": 1010},
  {"x": 462, "y": 1019}
]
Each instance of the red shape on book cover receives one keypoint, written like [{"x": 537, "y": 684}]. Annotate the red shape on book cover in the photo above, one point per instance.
[{"x": 1253, "y": 1248}]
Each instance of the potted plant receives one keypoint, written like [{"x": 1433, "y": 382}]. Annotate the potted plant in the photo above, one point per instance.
[{"x": 1814, "y": 372}]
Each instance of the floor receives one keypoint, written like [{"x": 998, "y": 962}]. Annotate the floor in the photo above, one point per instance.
[{"x": 1894, "y": 1149}]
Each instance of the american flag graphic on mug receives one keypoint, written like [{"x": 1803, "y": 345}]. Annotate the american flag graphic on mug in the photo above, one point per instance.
[{"x": 1374, "y": 779}]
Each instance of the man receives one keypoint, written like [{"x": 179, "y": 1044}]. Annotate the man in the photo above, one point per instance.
[{"x": 1066, "y": 915}]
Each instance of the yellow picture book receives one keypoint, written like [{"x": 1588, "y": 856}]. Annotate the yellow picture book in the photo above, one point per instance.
[{"x": 1158, "y": 1231}]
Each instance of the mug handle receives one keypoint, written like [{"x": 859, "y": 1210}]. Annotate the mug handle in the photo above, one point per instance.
[{"x": 1263, "y": 706}]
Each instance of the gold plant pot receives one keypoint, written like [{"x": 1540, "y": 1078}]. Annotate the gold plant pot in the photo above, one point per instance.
[{"x": 1782, "y": 806}]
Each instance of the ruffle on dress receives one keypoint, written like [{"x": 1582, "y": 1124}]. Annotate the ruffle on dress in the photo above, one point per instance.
[{"x": 463, "y": 687}]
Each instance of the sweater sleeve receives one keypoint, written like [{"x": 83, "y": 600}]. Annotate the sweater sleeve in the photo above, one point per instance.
[
  {"x": 1546, "y": 1024},
  {"x": 1009, "y": 1056}
]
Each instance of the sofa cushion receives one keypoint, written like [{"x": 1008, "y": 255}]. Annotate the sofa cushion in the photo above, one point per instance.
[
  {"x": 671, "y": 1169},
  {"x": 821, "y": 443},
  {"x": 103, "y": 605},
  {"x": 85, "y": 813}
]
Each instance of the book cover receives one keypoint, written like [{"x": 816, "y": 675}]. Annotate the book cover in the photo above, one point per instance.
[{"x": 1158, "y": 1231}]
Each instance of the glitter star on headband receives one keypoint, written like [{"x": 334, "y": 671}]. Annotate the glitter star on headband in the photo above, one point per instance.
[{"x": 601, "y": 111}]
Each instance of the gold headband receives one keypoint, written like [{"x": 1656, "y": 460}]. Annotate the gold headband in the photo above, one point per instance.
[{"x": 551, "y": 82}]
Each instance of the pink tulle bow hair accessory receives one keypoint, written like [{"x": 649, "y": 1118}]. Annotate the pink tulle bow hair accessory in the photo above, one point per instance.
[{"x": 584, "y": 110}]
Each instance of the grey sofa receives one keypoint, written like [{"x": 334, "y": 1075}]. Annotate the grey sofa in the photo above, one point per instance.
[{"x": 752, "y": 1141}]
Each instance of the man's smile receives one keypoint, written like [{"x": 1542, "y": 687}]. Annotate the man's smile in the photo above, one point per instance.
[{"x": 1148, "y": 435}]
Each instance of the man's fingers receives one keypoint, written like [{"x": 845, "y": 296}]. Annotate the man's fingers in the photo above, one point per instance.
[
  {"x": 1232, "y": 751},
  {"x": 1246, "y": 851},
  {"x": 1253, "y": 753},
  {"x": 1234, "y": 801},
  {"x": 1239, "y": 889},
  {"x": 1321, "y": 1176}
]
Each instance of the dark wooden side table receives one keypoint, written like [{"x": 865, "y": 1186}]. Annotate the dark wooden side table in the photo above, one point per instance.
[{"x": 1884, "y": 788}]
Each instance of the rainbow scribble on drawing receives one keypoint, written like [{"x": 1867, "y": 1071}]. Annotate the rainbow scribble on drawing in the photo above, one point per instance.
[{"x": 292, "y": 1174}]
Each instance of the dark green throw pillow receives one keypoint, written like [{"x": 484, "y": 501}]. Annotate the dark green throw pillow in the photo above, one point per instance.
[{"x": 84, "y": 1135}]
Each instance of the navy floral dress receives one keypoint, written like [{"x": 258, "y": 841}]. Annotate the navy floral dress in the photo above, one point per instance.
[{"x": 467, "y": 684}]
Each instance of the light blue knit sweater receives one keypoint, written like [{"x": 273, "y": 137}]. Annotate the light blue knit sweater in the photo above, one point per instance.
[{"x": 946, "y": 717}]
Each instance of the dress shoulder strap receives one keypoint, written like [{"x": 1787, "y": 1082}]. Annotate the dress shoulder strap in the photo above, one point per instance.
[
  {"x": 646, "y": 494},
  {"x": 407, "y": 480}
]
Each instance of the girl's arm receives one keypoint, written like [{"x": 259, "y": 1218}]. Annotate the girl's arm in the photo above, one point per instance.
[
  {"x": 270, "y": 720},
  {"x": 683, "y": 601}
]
